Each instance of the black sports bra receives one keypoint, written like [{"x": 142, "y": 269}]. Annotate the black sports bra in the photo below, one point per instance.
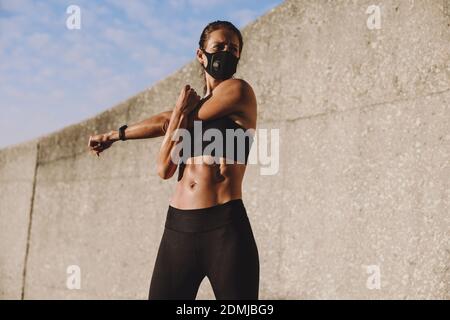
[{"x": 227, "y": 139}]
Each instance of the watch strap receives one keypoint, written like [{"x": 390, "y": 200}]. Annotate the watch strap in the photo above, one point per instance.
[{"x": 122, "y": 132}]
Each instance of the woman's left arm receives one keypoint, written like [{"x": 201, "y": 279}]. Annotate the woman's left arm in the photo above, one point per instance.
[
  {"x": 230, "y": 96},
  {"x": 187, "y": 101}
]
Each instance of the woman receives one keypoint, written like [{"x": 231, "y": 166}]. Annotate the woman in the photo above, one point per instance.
[{"x": 207, "y": 231}]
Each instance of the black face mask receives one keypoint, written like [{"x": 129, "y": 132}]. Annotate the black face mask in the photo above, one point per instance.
[{"x": 221, "y": 65}]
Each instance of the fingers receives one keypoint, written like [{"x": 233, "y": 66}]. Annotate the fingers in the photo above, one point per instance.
[
  {"x": 185, "y": 89},
  {"x": 192, "y": 92},
  {"x": 187, "y": 98},
  {"x": 95, "y": 152},
  {"x": 95, "y": 146},
  {"x": 192, "y": 105},
  {"x": 194, "y": 95},
  {"x": 93, "y": 141}
]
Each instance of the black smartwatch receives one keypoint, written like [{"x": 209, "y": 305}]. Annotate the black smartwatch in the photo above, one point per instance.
[{"x": 122, "y": 132}]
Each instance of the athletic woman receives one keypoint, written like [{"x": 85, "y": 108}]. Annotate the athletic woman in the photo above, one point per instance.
[{"x": 207, "y": 231}]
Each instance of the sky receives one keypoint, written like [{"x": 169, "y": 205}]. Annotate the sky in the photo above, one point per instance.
[{"x": 52, "y": 76}]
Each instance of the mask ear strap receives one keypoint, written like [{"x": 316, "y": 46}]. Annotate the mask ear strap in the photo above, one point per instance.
[{"x": 207, "y": 58}]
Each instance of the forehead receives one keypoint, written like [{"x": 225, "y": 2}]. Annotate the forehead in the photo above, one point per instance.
[{"x": 223, "y": 35}]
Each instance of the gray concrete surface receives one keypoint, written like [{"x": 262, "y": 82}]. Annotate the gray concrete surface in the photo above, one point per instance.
[{"x": 364, "y": 119}]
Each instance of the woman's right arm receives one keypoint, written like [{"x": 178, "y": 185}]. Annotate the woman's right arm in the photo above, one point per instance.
[{"x": 152, "y": 127}]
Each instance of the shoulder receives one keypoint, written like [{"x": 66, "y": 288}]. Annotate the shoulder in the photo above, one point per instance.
[
  {"x": 237, "y": 85},
  {"x": 231, "y": 96},
  {"x": 244, "y": 112},
  {"x": 238, "y": 90}
]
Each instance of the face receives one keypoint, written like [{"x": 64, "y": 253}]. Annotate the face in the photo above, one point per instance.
[{"x": 220, "y": 40}]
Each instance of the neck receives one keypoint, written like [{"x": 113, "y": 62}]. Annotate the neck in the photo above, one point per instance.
[{"x": 211, "y": 84}]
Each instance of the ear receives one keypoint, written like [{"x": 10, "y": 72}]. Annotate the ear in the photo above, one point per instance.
[{"x": 201, "y": 57}]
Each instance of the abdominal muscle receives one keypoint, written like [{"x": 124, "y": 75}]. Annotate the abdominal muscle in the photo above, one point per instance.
[{"x": 205, "y": 185}]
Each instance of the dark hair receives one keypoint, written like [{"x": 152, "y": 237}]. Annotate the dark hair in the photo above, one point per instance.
[{"x": 213, "y": 26}]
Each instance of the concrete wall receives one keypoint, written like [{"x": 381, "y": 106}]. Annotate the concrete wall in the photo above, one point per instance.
[{"x": 363, "y": 179}]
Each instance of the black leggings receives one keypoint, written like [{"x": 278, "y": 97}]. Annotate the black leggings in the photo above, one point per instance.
[{"x": 216, "y": 242}]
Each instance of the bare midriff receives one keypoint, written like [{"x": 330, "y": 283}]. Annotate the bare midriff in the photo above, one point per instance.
[{"x": 206, "y": 184}]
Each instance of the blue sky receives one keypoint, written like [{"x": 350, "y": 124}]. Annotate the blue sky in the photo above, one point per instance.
[{"x": 51, "y": 76}]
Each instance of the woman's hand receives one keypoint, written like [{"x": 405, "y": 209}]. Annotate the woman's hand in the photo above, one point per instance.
[
  {"x": 98, "y": 143},
  {"x": 186, "y": 103},
  {"x": 187, "y": 100}
]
